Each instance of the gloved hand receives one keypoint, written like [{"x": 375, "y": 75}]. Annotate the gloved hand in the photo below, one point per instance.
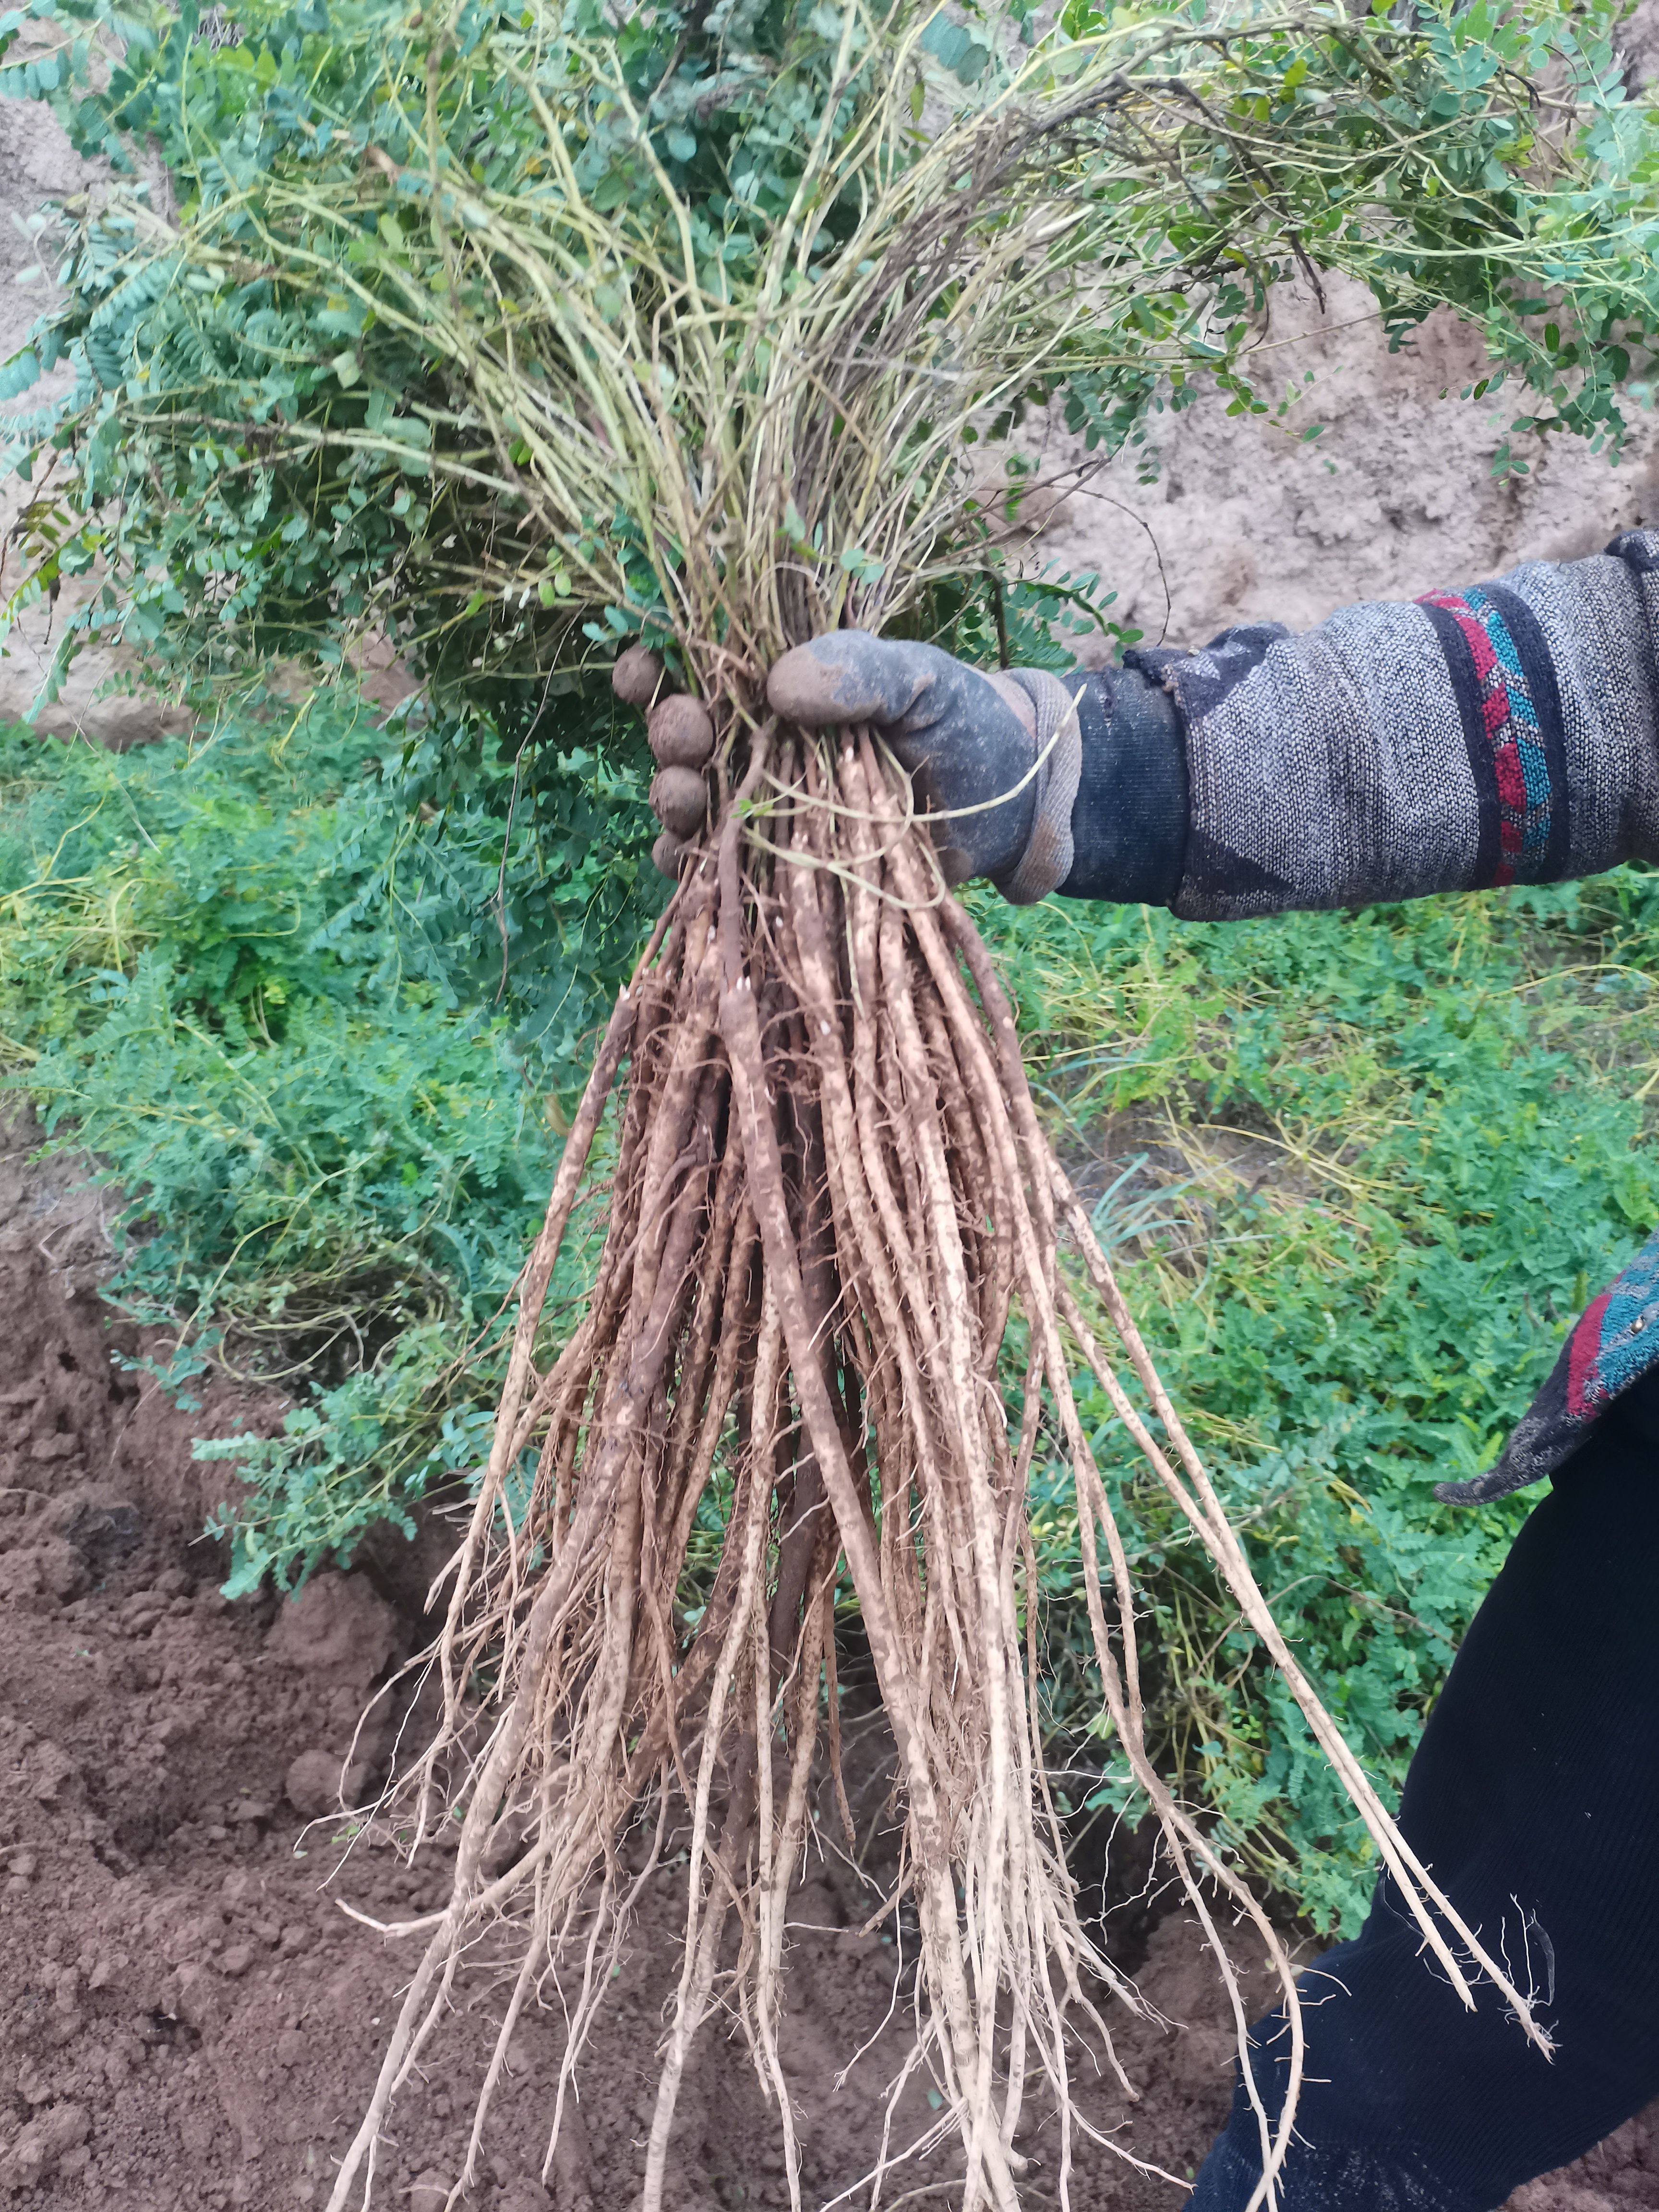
[
  {"x": 1037, "y": 783},
  {"x": 997, "y": 757}
]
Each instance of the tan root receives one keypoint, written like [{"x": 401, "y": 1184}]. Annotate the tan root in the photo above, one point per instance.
[{"x": 829, "y": 1194}]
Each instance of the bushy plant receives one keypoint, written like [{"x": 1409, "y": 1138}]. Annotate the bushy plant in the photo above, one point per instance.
[
  {"x": 323, "y": 393},
  {"x": 312, "y": 1003}
]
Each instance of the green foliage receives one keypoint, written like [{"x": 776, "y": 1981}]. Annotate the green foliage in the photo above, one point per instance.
[
  {"x": 392, "y": 364},
  {"x": 1359, "y": 1173},
  {"x": 274, "y": 983}
]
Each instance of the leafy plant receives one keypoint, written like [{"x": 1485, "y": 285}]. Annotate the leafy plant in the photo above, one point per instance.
[
  {"x": 316, "y": 1025},
  {"x": 319, "y": 399}
]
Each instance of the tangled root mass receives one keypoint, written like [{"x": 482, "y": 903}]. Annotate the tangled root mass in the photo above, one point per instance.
[{"x": 830, "y": 1197}]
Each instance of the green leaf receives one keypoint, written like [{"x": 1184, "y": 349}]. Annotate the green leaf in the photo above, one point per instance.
[
  {"x": 17, "y": 374},
  {"x": 955, "y": 49},
  {"x": 862, "y": 566}
]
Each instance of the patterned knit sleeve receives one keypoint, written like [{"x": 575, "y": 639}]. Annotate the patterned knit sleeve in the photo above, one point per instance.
[{"x": 1505, "y": 733}]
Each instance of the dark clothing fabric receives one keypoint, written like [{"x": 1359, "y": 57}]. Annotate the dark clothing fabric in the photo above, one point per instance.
[
  {"x": 1129, "y": 821},
  {"x": 1535, "y": 1798},
  {"x": 1499, "y": 733}
]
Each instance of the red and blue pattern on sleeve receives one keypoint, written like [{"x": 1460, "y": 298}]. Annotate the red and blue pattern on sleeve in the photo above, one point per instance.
[
  {"x": 1505, "y": 685},
  {"x": 1614, "y": 1343}
]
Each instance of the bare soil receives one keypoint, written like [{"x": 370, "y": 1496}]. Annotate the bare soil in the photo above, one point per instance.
[{"x": 187, "y": 2017}]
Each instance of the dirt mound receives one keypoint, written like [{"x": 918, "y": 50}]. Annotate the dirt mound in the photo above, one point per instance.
[
  {"x": 1243, "y": 523},
  {"x": 1621, "y": 2173},
  {"x": 186, "y": 2016}
]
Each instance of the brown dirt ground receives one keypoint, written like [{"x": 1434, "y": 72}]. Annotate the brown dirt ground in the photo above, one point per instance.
[{"x": 186, "y": 2017}]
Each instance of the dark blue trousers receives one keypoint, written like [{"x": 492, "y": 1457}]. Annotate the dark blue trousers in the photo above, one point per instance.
[{"x": 1534, "y": 1797}]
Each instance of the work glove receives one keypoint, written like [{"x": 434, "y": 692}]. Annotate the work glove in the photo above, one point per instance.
[
  {"x": 996, "y": 760},
  {"x": 1040, "y": 783}
]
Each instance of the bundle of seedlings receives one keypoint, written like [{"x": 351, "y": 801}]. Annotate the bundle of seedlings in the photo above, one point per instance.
[{"x": 539, "y": 382}]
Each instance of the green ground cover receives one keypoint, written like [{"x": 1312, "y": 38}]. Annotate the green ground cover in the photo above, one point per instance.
[
  {"x": 1388, "y": 1156},
  {"x": 313, "y": 1006},
  {"x": 320, "y": 1015}
]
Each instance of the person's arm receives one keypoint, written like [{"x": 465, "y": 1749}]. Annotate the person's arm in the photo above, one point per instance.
[{"x": 1504, "y": 733}]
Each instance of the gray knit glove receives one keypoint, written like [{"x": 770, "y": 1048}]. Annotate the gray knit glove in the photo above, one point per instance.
[{"x": 998, "y": 757}]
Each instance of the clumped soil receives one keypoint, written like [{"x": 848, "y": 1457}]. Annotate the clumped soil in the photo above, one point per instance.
[{"x": 187, "y": 2017}]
